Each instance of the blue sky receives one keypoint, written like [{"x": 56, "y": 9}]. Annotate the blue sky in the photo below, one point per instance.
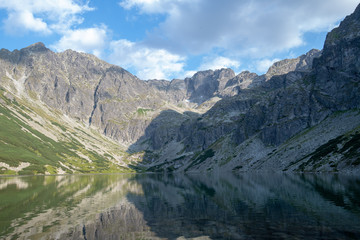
[{"x": 168, "y": 39}]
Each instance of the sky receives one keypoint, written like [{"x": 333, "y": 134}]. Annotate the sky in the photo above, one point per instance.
[{"x": 167, "y": 39}]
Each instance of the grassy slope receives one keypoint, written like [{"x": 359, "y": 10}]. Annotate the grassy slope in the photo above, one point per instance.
[{"x": 75, "y": 148}]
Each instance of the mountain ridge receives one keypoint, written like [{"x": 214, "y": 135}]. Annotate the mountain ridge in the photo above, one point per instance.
[
  {"x": 214, "y": 120},
  {"x": 243, "y": 132}
]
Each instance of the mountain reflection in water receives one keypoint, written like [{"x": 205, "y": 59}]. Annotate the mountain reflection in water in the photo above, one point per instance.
[{"x": 152, "y": 206}]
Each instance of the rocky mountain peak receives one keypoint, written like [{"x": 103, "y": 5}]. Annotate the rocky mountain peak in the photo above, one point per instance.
[
  {"x": 247, "y": 79},
  {"x": 223, "y": 73},
  {"x": 302, "y": 63},
  {"x": 36, "y": 47},
  {"x": 348, "y": 29},
  {"x": 243, "y": 80},
  {"x": 204, "y": 84},
  {"x": 342, "y": 46}
]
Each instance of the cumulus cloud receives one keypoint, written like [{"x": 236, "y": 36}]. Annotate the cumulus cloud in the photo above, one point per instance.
[
  {"x": 148, "y": 63},
  {"x": 90, "y": 40},
  {"x": 252, "y": 28},
  {"x": 42, "y": 16},
  {"x": 218, "y": 63},
  {"x": 25, "y": 20}
]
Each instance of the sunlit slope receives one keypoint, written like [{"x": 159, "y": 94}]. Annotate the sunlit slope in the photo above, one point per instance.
[{"x": 37, "y": 140}]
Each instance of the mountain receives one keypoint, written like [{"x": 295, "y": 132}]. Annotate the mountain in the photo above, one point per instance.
[
  {"x": 298, "y": 117},
  {"x": 72, "y": 112}
]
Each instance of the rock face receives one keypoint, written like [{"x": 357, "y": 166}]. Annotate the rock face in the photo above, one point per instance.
[
  {"x": 197, "y": 89},
  {"x": 209, "y": 121},
  {"x": 243, "y": 80},
  {"x": 203, "y": 85},
  {"x": 337, "y": 70}
]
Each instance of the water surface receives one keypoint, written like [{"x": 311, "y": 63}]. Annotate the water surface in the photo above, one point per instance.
[{"x": 152, "y": 206}]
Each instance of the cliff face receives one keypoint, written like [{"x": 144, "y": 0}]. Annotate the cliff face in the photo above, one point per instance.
[
  {"x": 213, "y": 120},
  {"x": 337, "y": 70}
]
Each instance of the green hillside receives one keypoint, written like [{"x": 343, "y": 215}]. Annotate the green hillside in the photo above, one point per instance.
[{"x": 35, "y": 140}]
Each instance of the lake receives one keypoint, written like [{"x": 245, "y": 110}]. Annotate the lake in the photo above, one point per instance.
[{"x": 160, "y": 206}]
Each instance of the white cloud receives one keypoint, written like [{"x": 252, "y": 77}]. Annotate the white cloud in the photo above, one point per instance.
[
  {"x": 148, "y": 63},
  {"x": 146, "y": 5},
  {"x": 25, "y": 20},
  {"x": 90, "y": 40},
  {"x": 218, "y": 63},
  {"x": 42, "y": 16},
  {"x": 248, "y": 28},
  {"x": 155, "y": 6},
  {"x": 263, "y": 65}
]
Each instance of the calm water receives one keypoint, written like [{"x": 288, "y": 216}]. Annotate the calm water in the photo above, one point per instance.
[{"x": 246, "y": 206}]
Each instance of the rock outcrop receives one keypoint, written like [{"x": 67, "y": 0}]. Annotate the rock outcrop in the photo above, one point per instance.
[{"x": 302, "y": 63}]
